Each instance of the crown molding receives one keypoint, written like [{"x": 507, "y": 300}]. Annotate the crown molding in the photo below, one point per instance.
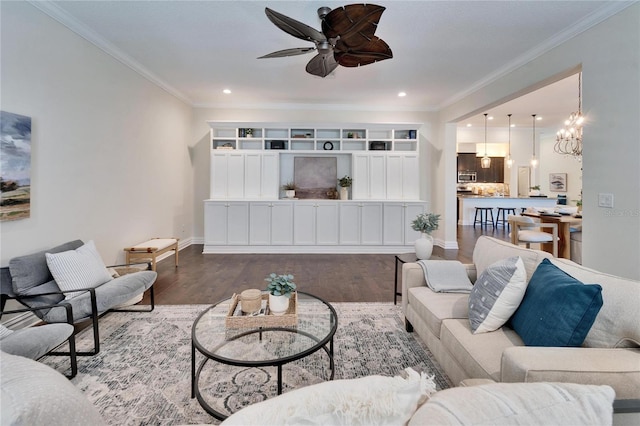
[
  {"x": 310, "y": 106},
  {"x": 60, "y": 15},
  {"x": 595, "y": 18}
]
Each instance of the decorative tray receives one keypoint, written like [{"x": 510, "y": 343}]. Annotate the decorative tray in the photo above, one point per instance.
[{"x": 237, "y": 319}]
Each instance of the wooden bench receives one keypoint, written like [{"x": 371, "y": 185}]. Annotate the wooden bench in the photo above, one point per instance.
[{"x": 152, "y": 249}]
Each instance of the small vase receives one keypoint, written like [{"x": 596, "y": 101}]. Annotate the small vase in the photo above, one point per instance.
[
  {"x": 278, "y": 305},
  {"x": 344, "y": 193},
  {"x": 424, "y": 246},
  {"x": 290, "y": 193}
]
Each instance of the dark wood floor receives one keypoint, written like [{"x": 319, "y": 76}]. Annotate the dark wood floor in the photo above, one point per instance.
[{"x": 208, "y": 278}]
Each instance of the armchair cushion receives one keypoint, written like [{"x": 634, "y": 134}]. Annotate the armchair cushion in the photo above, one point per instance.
[
  {"x": 31, "y": 270},
  {"x": 78, "y": 269},
  {"x": 35, "y": 342},
  {"x": 557, "y": 309}
]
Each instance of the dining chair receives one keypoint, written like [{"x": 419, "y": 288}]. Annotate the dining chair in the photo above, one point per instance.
[{"x": 525, "y": 230}]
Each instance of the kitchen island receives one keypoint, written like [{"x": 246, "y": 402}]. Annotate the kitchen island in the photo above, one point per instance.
[{"x": 467, "y": 205}]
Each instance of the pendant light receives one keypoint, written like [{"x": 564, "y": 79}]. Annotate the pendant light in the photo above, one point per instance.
[
  {"x": 534, "y": 160},
  {"x": 509, "y": 159},
  {"x": 486, "y": 161}
]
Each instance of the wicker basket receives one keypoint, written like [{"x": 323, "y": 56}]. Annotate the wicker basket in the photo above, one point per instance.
[{"x": 288, "y": 319}]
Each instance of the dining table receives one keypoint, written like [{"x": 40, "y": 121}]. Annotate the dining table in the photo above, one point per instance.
[{"x": 565, "y": 223}]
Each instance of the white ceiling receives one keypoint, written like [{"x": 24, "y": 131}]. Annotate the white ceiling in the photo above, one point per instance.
[{"x": 442, "y": 51}]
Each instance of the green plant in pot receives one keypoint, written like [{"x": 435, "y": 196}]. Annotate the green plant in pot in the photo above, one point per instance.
[
  {"x": 534, "y": 190},
  {"x": 280, "y": 289},
  {"x": 344, "y": 183},
  {"x": 289, "y": 189},
  {"x": 425, "y": 223}
]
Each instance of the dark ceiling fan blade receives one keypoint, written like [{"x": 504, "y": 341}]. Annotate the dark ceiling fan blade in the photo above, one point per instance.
[
  {"x": 322, "y": 65},
  {"x": 354, "y": 24},
  {"x": 293, "y": 27},
  {"x": 374, "y": 51},
  {"x": 288, "y": 52}
]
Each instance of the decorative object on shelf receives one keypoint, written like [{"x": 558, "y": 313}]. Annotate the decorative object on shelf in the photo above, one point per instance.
[
  {"x": 425, "y": 223},
  {"x": 569, "y": 138},
  {"x": 344, "y": 182},
  {"x": 289, "y": 189},
  {"x": 328, "y": 146},
  {"x": 347, "y": 38},
  {"x": 558, "y": 182},
  {"x": 509, "y": 159},
  {"x": 534, "y": 190},
  {"x": 486, "y": 160},
  {"x": 534, "y": 160},
  {"x": 412, "y": 134},
  {"x": 277, "y": 144},
  {"x": 248, "y": 133},
  {"x": 251, "y": 301},
  {"x": 350, "y": 135},
  {"x": 280, "y": 289},
  {"x": 377, "y": 146}
]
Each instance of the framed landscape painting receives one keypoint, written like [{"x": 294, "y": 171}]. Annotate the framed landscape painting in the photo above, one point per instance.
[
  {"x": 558, "y": 182},
  {"x": 15, "y": 166}
]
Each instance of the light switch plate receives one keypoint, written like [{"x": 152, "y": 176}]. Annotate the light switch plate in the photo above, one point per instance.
[{"x": 605, "y": 200}]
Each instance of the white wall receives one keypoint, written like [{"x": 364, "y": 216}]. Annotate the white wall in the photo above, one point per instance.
[
  {"x": 200, "y": 142},
  {"x": 109, "y": 154},
  {"x": 609, "y": 54}
]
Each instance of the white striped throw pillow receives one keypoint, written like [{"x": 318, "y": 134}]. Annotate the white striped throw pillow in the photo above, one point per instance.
[{"x": 76, "y": 269}]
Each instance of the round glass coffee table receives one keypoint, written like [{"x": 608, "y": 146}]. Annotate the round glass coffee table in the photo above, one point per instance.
[{"x": 260, "y": 346}]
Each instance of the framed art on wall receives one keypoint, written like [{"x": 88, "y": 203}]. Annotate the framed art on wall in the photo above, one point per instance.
[
  {"x": 558, "y": 182},
  {"x": 15, "y": 167}
]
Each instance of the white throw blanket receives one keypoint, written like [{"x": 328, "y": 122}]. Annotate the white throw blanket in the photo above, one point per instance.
[{"x": 446, "y": 276}]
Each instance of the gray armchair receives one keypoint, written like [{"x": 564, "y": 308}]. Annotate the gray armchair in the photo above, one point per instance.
[
  {"x": 36, "y": 342},
  {"x": 33, "y": 285}
]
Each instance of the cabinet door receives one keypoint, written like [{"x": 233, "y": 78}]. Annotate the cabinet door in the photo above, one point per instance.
[
  {"x": 377, "y": 177},
  {"x": 394, "y": 172},
  {"x": 410, "y": 177},
  {"x": 270, "y": 176},
  {"x": 304, "y": 223},
  {"x": 411, "y": 211},
  {"x": 260, "y": 223},
  {"x": 215, "y": 223},
  {"x": 327, "y": 224},
  {"x": 235, "y": 173},
  {"x": 393, "y": 229},
  {"x": 282, "y": 224},
  {"x": 238, "y": 223},
  {"x": 371, "y": 223},
  {"x": 252, "y": 175},
  {"x": 360, "y": 170},
  {"x": 219, "y": 178},
  {"x": 350, "y": 223}
]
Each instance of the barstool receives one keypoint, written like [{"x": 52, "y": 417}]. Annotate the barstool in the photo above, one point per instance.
[
  {"x": 504, "y": 211},
  {"x": 484, "y": 216}
]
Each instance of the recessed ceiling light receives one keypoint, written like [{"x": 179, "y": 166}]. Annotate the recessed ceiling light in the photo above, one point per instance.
[
  {"x": 538, "y": 118},
  {"x": 490, "y": 117},
  {"x": 402, "y": 94},
  {"x": 513, "y": 125},
  {"x": 469, "y": 124},
  {"x": 226, "y": 91}
]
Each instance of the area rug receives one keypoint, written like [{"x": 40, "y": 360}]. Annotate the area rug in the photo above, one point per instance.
[{"x": 142, "y": 375}]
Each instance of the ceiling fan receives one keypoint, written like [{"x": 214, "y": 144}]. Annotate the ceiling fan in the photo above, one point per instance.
[{"x": 347, "y": 37}]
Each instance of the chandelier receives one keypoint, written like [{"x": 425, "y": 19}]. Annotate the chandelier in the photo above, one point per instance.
[{"x": 569, "y": 138}]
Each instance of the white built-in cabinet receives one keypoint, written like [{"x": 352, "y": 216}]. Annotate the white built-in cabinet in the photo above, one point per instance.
[
  {"x": 310, "y": 226},
  {"x": 249, "y": 162}
]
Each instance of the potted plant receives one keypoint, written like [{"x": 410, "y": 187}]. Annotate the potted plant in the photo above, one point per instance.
[
  {"x": 534, "y": 190},
  {"x": 425, "y": 223},
  {"x": 344, "y": 182},
  {"x": 289, "y": 189},
  {"x": 280, "y": 289}
]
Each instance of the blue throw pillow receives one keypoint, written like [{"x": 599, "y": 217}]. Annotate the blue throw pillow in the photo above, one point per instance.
[{"x": 557, "y": 309}]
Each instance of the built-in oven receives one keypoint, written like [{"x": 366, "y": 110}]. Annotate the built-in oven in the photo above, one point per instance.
[{"x": 466, "y": 177}]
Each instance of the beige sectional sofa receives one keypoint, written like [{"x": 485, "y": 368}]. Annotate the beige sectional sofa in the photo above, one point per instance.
[{"x": 609, "y": 355}]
